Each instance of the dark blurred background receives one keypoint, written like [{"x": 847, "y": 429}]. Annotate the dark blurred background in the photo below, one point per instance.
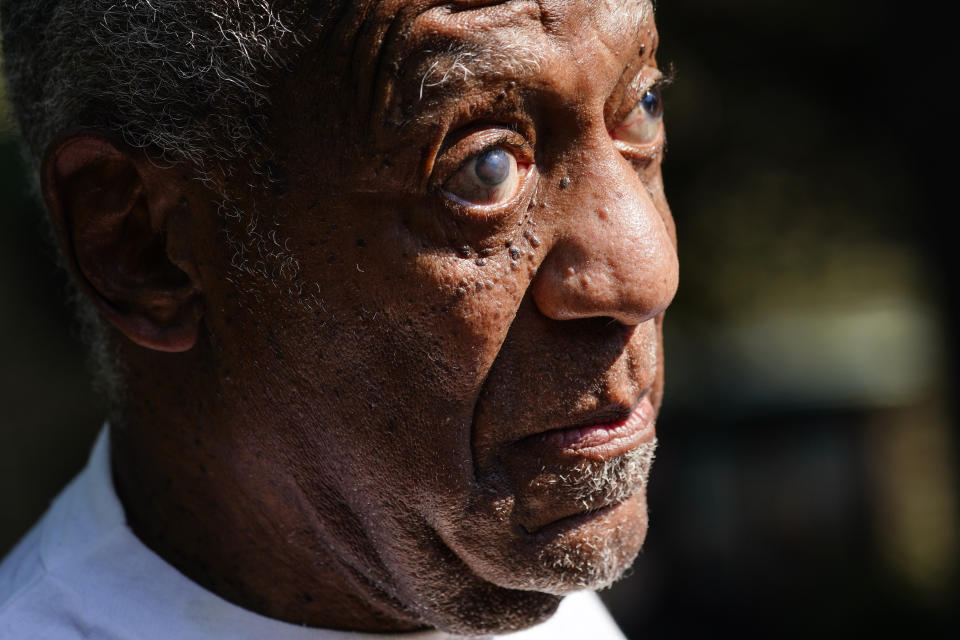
[{"x": 808, "y": 480}]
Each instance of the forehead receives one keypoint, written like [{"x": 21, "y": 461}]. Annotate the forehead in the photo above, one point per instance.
[
  {"x": 390, "y": 46},
  {"x": 396, "y": 76},
  {"x": 484, "y": 37},
  {"x": 477, "y": 19}
]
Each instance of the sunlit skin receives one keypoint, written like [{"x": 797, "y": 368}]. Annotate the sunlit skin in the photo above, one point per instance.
[{"x": 376, "y": 436}]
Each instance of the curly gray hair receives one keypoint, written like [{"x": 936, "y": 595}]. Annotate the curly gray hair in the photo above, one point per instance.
[{"x": 182, "y": 78}]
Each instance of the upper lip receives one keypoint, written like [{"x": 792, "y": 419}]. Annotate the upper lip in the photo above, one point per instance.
[
  {"x": 605, "y": 415},
  {"x": 608, "y": 413}
]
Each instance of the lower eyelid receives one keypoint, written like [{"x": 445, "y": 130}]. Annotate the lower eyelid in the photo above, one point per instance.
[{"x": 641, "y": 153}]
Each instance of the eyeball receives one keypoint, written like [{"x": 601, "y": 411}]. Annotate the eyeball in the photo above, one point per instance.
[
  {"x": 489, "y": 177},
  {"x": 642, "y": 125}
]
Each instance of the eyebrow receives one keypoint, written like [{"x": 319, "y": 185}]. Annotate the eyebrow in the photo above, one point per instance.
[
  {"x": 451, "y": 59},
  {"x": 443, "y": 59},
  {"x": 463, "y": 59},
  {"x": 467, "y": 59}
]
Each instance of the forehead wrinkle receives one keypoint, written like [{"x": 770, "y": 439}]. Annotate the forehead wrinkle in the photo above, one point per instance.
[
  {"x": 440, "y": 53},
  {"x": 635, "y": 14},
  {"x": 485, "y": 54},
  {"x": 463, "y": 51},
  {"x": 374, "y": 62},
  {"x": 356, "y": 47},
  {"x": 384, "y": 71}
]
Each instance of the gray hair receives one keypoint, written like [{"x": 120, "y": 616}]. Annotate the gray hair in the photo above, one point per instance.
[{"x": 184, "y": 79}]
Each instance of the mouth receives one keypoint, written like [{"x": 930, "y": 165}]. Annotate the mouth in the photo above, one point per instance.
[
  {"x": 599, "y": 439},
  {"x": 570, "y": 477}
]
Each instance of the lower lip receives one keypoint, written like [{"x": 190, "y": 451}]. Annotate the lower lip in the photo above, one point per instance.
[{"x": 607, "y": 440}]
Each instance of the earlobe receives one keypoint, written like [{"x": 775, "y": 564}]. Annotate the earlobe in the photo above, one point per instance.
[{"x": 124, "y": 227}]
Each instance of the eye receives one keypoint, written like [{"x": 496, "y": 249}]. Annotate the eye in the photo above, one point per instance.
[
  {"x": 642, "y": 125},
  {"x": 489, "y": 177}
]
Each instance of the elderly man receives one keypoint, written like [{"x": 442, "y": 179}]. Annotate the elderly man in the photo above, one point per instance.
[{"x": 377, "y": 288}]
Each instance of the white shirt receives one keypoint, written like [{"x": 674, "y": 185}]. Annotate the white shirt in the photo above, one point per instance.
[{"x": 82, "y": 573}]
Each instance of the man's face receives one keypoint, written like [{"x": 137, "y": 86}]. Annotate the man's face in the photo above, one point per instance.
[{"x": 451, "y": 380}]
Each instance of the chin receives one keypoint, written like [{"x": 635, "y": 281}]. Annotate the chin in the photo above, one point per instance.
[
  {"x": 585, "y": 551},
  {"x": 590, "y": 551},
  {"x": 506, "y": 585},
  {"x": 578, "y": 528}
]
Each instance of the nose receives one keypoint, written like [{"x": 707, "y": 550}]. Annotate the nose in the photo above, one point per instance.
[{"x": 613, "y": 254}]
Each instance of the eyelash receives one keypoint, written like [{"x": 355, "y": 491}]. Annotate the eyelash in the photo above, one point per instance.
[{"x": 637, "y": 95}]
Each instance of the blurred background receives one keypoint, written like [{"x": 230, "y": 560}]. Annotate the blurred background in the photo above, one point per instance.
[{"x": 808, "y": 480}]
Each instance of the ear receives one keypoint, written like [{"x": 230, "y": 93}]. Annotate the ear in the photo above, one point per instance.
[{"x": 124, "y": 228}]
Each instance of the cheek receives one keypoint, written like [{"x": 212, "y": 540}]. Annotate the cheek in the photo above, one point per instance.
[
  {"x": 393, "y": 333},
  {"x": 463, "y": 307},
  {"x": 407, "y": 333},
  {"x": 454, "y": 296}
]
